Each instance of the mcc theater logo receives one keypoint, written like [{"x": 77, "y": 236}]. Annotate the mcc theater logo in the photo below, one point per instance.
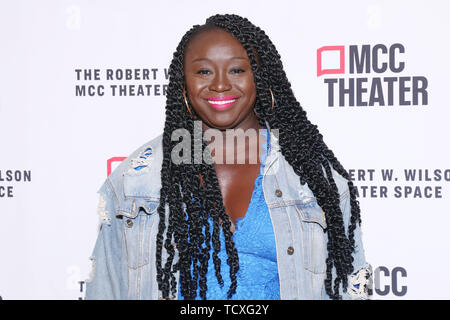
[{"x": 369, "y": 75}]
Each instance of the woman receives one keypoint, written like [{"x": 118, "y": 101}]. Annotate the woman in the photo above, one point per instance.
[{"x": 179, "y": 223}]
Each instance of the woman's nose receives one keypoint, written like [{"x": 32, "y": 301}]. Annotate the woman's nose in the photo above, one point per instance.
[{"x": 220, "y": 82}]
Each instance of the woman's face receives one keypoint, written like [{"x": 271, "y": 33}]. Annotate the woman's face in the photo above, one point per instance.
[{"x": 219, "y": 80}]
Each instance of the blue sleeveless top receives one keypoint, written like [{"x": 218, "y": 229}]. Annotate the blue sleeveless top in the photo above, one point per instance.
[{"x": 254, "y": 239}]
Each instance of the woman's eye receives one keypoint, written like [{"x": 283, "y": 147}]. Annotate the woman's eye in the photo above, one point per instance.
[
  {"x": 203, "y": 71},
  {"x": 237, "y": 70}
]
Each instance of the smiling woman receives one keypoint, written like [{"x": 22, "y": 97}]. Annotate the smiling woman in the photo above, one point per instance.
[
  {"x": 219, "y": 80},
  {"x": 285, "y": 227}
]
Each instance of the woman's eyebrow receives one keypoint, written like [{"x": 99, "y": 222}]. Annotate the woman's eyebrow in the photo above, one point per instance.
[
  {"x": 206, "y": 59},
  {"x": 200, "y": 59}
]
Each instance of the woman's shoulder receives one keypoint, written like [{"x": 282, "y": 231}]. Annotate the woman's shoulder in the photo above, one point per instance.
[{"x": 138, "y": 175}]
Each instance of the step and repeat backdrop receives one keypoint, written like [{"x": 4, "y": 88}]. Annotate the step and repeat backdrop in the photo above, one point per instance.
[{"x": 83, "y": 84}]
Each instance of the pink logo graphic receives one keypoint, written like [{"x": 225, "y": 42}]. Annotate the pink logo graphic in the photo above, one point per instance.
[
  {"x": 341, "y": 69},
  {"x": 110, "y": 161}
]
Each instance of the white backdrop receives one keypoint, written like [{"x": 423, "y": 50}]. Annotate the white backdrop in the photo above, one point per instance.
[{"x": 55, "y": 144}]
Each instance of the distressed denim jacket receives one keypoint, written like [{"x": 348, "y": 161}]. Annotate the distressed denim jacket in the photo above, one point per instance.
[{"x": 124, "y": 262}]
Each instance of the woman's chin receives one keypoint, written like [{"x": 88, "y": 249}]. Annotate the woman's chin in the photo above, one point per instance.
[{"x": 221, "y": 123}]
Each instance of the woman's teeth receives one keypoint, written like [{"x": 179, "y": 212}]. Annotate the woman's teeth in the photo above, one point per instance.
[{"x": 221, "y": 102}]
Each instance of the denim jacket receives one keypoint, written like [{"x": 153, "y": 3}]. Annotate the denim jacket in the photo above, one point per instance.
[{"x": 124, "y": 262}]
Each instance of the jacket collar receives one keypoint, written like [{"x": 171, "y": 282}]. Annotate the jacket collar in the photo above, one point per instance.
[{"x": 274, "y": 148}]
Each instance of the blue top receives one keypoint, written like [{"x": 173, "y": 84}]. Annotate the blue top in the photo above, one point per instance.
[{"x": 254, "y": 239}]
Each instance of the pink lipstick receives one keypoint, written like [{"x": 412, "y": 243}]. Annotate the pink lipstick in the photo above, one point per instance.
[{"x": 222, "y": 102}]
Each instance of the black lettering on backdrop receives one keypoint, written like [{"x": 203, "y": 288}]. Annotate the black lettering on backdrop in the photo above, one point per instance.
[
  {"x": 89, "y": 90},
  {"x": 359, "y": 91},
  {"x": 371, "y": 191},
  {"x": 391, "y": 281},
  {"x": 377, "y": 91},
  {"x": 330, "y": 83},
  {"x": 123, "y": 82},
  {"x": 166, "y": 73},
  {"x": 361, "y": 174},
  {"x": 6, "y": 192},
  {"x": 359, "y": 59},
  {"x": 387, "y": 174},
  {"x": 403, "y": 88},
  {"x": 420, "y": 85},
  {"x": 418, "y": 192},
  {"x": 401, "y": 64},
  {"x": 88, "y": 74},
  {"x": 375, "y": 65},
  {"x": 15, "y": 175},
  {"x": 81, "y": 289},
  {"x": 12, "y": 176},
  {"x": 349, "y": 91},
  {"x": 427, "y": 175},
  {"x": 403, "y": 188},
  {"x": 390, "y": 83}
]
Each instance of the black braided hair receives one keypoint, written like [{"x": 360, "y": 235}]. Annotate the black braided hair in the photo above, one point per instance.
[{"x": 192, "y": 193}]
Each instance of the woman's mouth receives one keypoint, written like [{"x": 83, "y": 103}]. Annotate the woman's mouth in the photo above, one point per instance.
[{"x": 221, "y": 102}]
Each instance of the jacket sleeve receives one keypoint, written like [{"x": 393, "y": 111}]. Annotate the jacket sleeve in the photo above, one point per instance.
[
  {"x": 360, "y": 281},
  {"x": 107, "y": 279}
]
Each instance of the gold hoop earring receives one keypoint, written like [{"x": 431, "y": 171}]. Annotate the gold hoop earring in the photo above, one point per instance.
[
  {"x": 186, "y": 103},
  {"x": 273, "y": 100},
  {"x": 273, "y": 104}
]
